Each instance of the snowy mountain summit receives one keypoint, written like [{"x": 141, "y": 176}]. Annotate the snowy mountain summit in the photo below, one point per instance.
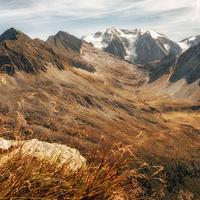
[
  {"x": 137, "y": 46},
  {"x": 189, "y": 42}
]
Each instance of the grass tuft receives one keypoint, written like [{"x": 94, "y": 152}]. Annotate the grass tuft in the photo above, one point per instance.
[{"x": 109, "y": 178}]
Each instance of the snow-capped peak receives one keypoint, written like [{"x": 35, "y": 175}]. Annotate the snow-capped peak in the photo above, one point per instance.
[
  {"x": 189, "y": 42},
  {"x": 155, "y": 35},
  {"x": 136, "y": 45},
  {"x": 101, "y": 39},
  {"x": 96, "y": 40}
]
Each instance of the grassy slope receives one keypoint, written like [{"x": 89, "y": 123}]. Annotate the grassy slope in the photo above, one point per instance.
[{"x": 87, "y": 111}]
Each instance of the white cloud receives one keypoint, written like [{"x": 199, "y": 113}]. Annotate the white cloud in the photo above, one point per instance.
[
  {"x": 197, "y": 11},
  {"x": 45, "y": 16}
]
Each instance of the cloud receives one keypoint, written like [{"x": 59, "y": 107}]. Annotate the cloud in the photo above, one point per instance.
[
  {"x": 197, "y": 11},
  {"x": 44, "y": 17}
]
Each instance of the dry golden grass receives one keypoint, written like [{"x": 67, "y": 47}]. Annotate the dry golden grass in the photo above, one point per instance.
[
  {"x": 185, "y": 195},
  {"x": 109, "y": 177},
  {"x": 183, "y": 118},
  {"x": 117, "y": 172}
]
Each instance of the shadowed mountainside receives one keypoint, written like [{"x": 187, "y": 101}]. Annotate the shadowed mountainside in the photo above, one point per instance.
[
  {"x": 176, "y": 76},
  {"x": 63, "y": 40},
  {"x": 186, "y": 66},
  {"x": 18, "y": 52}
]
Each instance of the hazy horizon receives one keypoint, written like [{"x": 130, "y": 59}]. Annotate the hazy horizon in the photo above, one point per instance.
[{"x": 175, "y": 19}]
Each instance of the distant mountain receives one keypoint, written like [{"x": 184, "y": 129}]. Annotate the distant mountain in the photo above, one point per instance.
[
  {"x": 65, "y": 41},
  {"x": 160, "y": 68},
  {"x": 187, "y": 66},
  {"x": 177, "y": 76},
  {"x": 136, "y": 46},
  {"x": 69, "y": 46},
  {"x": 12, "y": 34},
  {"x": 189, "y": 42},
  {"x": 18, "y": 52}
]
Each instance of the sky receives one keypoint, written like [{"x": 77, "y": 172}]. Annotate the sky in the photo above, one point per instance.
[{"x": 176, "y": 19}]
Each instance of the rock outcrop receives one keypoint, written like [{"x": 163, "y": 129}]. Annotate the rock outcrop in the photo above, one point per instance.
[
  {"x": 189, "y": 42},
  {"x": 52, "y": 152}
]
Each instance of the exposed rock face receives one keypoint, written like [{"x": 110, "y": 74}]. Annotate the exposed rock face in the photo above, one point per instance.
[
  {"x": 65, "y": 41},
  {"x": 189, "y": 42},
  {"x": 69, "y": 47},
  {"x": 11, "y": 34},
  {"x": 158, "y": 69},
  {"x": 178, "y": 77},
  {"x": 136, "y": 46},
  {"x": 188, "y": 66},
  {"x": 5, "y": 144},
  {"x": 18, "y": 52},
  {"x": 116, "y": 47},
  {"x": 152, "y": 49},
  {"x": 44, "y": 150}
]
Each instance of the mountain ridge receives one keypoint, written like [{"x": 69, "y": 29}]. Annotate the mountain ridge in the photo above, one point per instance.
[
  {"x": 189, "y": 42},
  {"x": 18, "y": 52},
  {"x": 137, "y": 46}
]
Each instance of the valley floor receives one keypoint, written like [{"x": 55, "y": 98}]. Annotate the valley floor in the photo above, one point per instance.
[{"x": 91, "y": 111}]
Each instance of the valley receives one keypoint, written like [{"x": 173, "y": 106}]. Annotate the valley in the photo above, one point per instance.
[{"x": 65, "y": 91}]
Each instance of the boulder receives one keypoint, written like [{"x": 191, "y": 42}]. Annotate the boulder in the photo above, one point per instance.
[{"x": 52, "y": 152}]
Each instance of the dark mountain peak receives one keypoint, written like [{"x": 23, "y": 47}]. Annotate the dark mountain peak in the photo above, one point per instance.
[
  {"x": 185, "y": 66},
  {"x": 189, "y": 42},
  {"x": 18, "y": 52},
  {"x": 66, "y": 41},
  {"x": 69, "y": 46},
  {"x": 188, "y": 65},
  {"x": 116, "y": 47},
  {"x": 160, "y": 68},
  {"x": 11, "y": 34},
  {"x": 62, "y": 33}
]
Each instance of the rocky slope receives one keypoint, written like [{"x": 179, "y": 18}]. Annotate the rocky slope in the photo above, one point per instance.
[
  {"x": 63, "y": 40},
  {"x": 188, "y": 66},
  {"x": 69, "y": 47},
  {"x": 189, "y": 42},
  {"x": 137, "y": 46},
  {"x": 158, "y": 69},
  {"x": 177, "y": 76},
  {"x": 18, "y": 52}
]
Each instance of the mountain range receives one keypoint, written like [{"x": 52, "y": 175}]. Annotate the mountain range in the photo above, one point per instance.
[
  {"x": 189, "y": 42},
  {"x": 67, "y": 91},
  {"x": 139, "y": 46}
]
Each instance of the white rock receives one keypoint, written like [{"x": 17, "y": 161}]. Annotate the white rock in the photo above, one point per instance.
[
  {"x": 5, "y": 144},
  {"x": 52, "y": 152}
]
